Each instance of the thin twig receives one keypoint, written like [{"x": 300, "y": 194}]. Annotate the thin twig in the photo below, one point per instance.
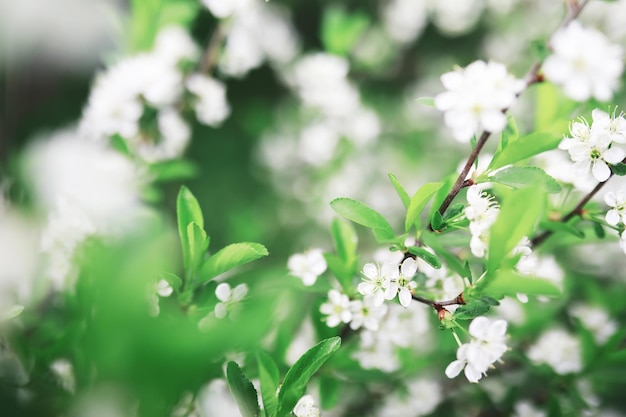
[{"x": 211, "y": 53}]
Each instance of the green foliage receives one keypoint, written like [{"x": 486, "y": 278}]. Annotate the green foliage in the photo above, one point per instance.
[
  {"x": 519, "y": 177},
  {"x": 229, "y": 257},
  {"x": 426, "y": 101},
  {"x": 519, "y": 213},
  {"x": 149, "y": 16},
  {"x": 523, "y": 148},
  {"x": 427, "y": 256},
  {"x": 404, "y": 196},
  {"x": 365, "y": 216},
  {"x": 418, "y": 202},
  {"x": 176, "y": 169},
  {"x": 344, "y": 264},
  {"x": 473, "y": 309},
  {"x": 341, "y": 30},
  {"x": 619, "y": 169},
  {"x": 562, "y": 227},
  {"x": 243, "y": 391},
  {"x": 269, "y": 378},
  {"x": 509, "y": 134},
  {"x": 510, "y": 283},
  {"x": 189, "y": 212},
  {"x": 298, "y": 376}
]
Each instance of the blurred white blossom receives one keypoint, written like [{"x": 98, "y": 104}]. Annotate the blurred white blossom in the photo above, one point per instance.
[
  {"x": 558, "y": 349},
  {"x": 211, "y": 105},
  {"x": 228, "y": 298},
  {"x": 307, "y": 266},
  {"x": 482, "y": 212},
  {"x": 422, "y": 397},
  {"x": 337, "y": 309},
  {"x": 596, "y": 320},
  {"x": 584, "y": 62}
]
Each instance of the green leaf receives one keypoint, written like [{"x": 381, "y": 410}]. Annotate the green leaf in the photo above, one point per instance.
[
  {"x": 426, "y": 101},
  {"x": 540, "y": 49},
  {"x": 518, "y": 177},
  {"x": 365, "y": 216},
  {"x": 198, "y": 245},
  {"x": 330, "y": 391},
  {"x": 418, "y": 203},
  {"x": 442, "y": 193},
  {"x": 427, "y": 256},
  {"x": 188, "y": 211},
  {"x": 341, "y": 30},
  {"x": 509, "y": 134},
  {"x": 451, "y": 260},
  {"x": 436, "y": 222},
  {"x": 298, "y": 376},
  {"x": 404, "y": 196},
  {"x": 178, "y": 13},
  {"x": 552, "y": 109},
  {"x": 175, "y": 169},
  {"x": 525, "y": 147},
  {"x": 561, "y": 227},
  {"x": 473, "y": 309},
  {"x": 230, "y": 257},
  {"x": 269, "y": 378},
  {"x": 619, "y": 169},
  {"x": 173, "y": 279},
  {"x": 344, "y": 274},
  {"x": 511, "y": 283},
  {"x": 518, "y": 215},
  {"x": 345, "y": 263},
  {"x": 598, "y": 230},
  {"x": 242, "y": 390}
]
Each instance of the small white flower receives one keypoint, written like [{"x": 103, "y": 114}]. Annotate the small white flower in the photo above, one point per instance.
[
  {"x": 337, "y": 308},
  {"x": 593, "y": 155},
  {"x": 307, "y": 266},
  {"x": 475, "y": 98},
  {"x": 559, "y": 349},
  {"x": 228, "y": 297},
  {"x": 211, "y": 106},
  {"x": 584, "y": 62},
  {"x": 470, "y": 358},
  {"x": 482, "y": 212},
  {"x": 406, "y": 285},
  {"x": 526, "y": 409},
  {"x": 596, "y": 320},
  {"x": 379, "y": 282},
  {"x": 366, "y": 314},
  {"x": 64, "y": 372},
  {"x": 618, "y": 203},
  {"x": 163, "y": 288},
  {"x": 612, "y": 126},
  {"x": 306, "y": 407}
]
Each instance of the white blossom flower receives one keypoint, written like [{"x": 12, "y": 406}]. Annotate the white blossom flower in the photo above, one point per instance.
[
  {"x": 211, "y": 106},
  {"x": 337, "y": 308},
  {"x": 404, "y": 20},
  {"x": 406, "y": 285},
  {"x": 612, "y": 126},
  {"x": 558, "y": 349},
  {"x": 526, "y": 409},
  {"x": 366, "y": 314},
  {"x": 64, "y": 372},
  {"x": 595, "y": 320},
  {"x": 488, "y": 344},
  {"x": 584, "y": 62},
  {"x": 307, "y": 266},
  {"x": 422, "y": 397},
  {"x": 593, "y": 155},
  {"x": 228, "y": 297},
  {"x": 173, "y": 44},
  {"x": 379, "y": 282},
  {"x": 306, "y": 407},
  {"x": 617, "y": 201},
  {"x": 482, "y": 212},
  {"x": 476, "y": 97}
]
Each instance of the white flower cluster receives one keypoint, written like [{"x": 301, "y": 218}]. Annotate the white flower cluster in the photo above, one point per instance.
[
  {"x": 307, "y": 266},
  {"x": 584, "y": 62},
  {"x": 488, "y": 344},
  {"x": 596, "y": 320},
  {"x": 482, "y": 212},
  {"x": 228, "y": 297},
  {"x": 476, "y": 97},
  {"x": 592, "y": 148},
  {"x": 384, "y": 282},
  {"x": 358, "y": 313},
  {"x": 422, "y": 397},
  {"x": 306, "y": 407},
  {"x": 125, "y": 95},
  {"x": 256, "y": 32},
  {"x": 558, "y": 349},
  {"x": 616, "y": 216}
]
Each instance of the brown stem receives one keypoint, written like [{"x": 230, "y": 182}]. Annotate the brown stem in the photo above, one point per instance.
[
  {"x": 438, "y": 304},
  {"x": 211, "y": 53}
]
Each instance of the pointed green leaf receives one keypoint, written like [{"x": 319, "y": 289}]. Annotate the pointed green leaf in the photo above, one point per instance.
[
  {"x": 472, "y": 309},
  {"x": 230, "y": 257},
  {"x": 509, "y": 134},
  {"x": 365, "y": 216},
  {"x": 345, "y": 240},
  {"x": 269, "y": 378},
  {"x": 507, "y": 282},
  {"x": 619, "y": 169},
  {"x": 525, "y": 147},
  {"x": 518, "y": 177},
  {"x": 427, "y": 256},
  {"x": 426, "y": 101},
  {"x": 450, "y": 260},
  {"x": 175, "y": 169},
  {"x": 298, "y": 376},
  {"x": 187, "y": 211},
  {"x": 242, "y": 390},
  {"x": 519, "y": 212},
  {"x": 198, "y": 245},
  {"x": 418, "y": 203},
  {"x": 436, "y": 222},
  {"x": 404, "y": 196},
  {"x": 441, "y": 194}
]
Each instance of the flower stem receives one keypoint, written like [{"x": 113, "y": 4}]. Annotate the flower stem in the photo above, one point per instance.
[{"x": 211, "y": 53}]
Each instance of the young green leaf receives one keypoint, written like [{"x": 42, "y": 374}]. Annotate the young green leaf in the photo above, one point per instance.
[
  {"x": 518, "y": 177},
  {"x": 436, "y": 222},
  {"x": 561, "y": 227},
  {"x": 441, "y": 194},
  {"x": 188, "y": 211},
  {"x": 427, "y": 256},
  {"x": 509, "y": 134},
  {"x": 523, "y": 148},
  {"x": 269, "y": 379},
  {"x": 242, "y": 390},
  {"x": 344, "y": 273},
  {"x": 175, "y": 169},
  {"x": 365, "y": 216},
  {"x": 404, "y": 196},
  {"x": 345, "y": 240},
  {"x": 230, "y": 257},
  {"x": 507, "y": 282},
  {"x": 418, "y": 203},
  {"x": 598, "y": 230},
  {"x": 451, "y": 261},
  {"x": 198, "y": 243},
  {"x": 472, "y": 309},
  {"x": 619, "y": 169},
  {"x": 298, "y": 376},
  {"x": 341, "y": 30},
  {"x": 519, "y": 212}
]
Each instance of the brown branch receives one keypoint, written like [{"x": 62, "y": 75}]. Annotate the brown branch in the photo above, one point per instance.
[
  {"x": 211, "y": 53},
  {"x": 438, "y": 304}
]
